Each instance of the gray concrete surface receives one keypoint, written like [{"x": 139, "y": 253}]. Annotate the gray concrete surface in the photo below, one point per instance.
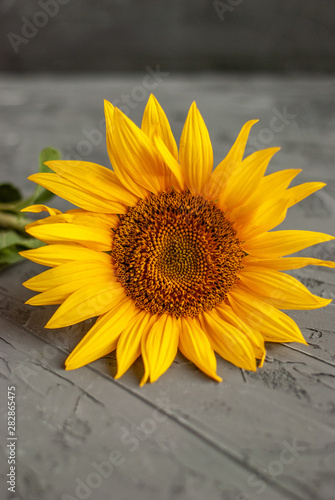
[{"x": 84, "y": 435}]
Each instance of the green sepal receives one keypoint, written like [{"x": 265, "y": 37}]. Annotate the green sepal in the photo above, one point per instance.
[
  {"x": 41, "y": 195},
  {"x": 11, "y": 243}
]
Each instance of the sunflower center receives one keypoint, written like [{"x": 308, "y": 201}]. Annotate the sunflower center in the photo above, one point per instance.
[{"x": 176, "y": 253}]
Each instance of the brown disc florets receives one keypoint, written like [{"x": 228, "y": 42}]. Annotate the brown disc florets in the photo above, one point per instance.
[{"x": 176, "y": 253}]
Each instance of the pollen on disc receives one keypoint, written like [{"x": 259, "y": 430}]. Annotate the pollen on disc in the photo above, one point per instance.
[{"x": 176, "y": 253}]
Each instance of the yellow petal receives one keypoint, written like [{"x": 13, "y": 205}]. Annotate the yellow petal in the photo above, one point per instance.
[
  {"x": 54, "y": 296},
  {"x": 284, "y": 264},
  {"x": 54, "y": 255},
  {"x": 79, "y": 196},
  {"x": 279, "y": 243},
  {"x": 84, "y": 218},
  {"x": 80, "y": 218},
  {"x": 265, "y": 217},
  {"x": 230, "y": 164},
  {"x": 89, "y": 301},
  {"x": 195, "y": 152},
  {"x": 152, "y": 321},
  {"x": 280, "y": 289},
  {"x": 274, "y": 325},
  {"x": 129, "y": 343},
  {"x": 254, "y": 337},
  {"x": 300, "y": 192},
  {"x": 139, "y": 160},
  {"x": 81, "y": 272},
  {"x": 272, "y": 187},
  {"x": 244, "y": 181},
  {"x": 155, "y": 122},
  {"x": 41, "y": 208},
  {"x": 116, "y": 156},
  {"x": 96, "y": 239},
  {"x": 102, "y": 338},
  {"x": 228, "y": 341},
  {"x": 162, "y": 345},
  {"x": 195, "y": 346},
  {"x": 274, "y": 184},
  {"x": 171, "y": 163},
  {"x": 94, "y": 178}
]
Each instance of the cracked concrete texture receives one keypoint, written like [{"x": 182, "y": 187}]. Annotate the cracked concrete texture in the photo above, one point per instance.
[{"x": 82, "y": 434}]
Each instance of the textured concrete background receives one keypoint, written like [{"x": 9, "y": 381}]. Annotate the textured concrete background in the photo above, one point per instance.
[
  {"x": 256, "y": 436},
  {"x": 107, "y": 35}
]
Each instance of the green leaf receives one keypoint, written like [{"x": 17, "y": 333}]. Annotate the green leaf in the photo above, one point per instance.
[
  {"x": 9, "y": 238},
  {"x": 41, "y": 195},
  {"x": 10, "y": 197},
  {"x": 13, "y": 239},
  {"x": 9, "y": 255},
  {"x": 11, "y": 243},
  {"x": 48, "y": 154},
  {"x": 9, "y": 194}
]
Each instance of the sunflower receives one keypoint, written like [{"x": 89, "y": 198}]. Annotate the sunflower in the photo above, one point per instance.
[{"x": 170, "y": 254}]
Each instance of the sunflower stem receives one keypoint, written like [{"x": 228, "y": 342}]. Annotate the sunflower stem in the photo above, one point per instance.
[{"x": 10, "y": 221}]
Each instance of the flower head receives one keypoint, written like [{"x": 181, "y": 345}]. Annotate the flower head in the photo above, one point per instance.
[{"x": 170, "y": 254}]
